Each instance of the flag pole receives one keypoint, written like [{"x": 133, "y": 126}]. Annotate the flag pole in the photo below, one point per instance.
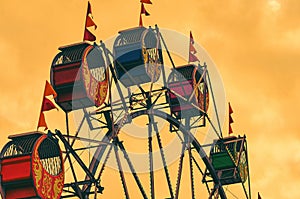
[
  {"x": 230, "y": 111},
  {"x": 141, "y": 19},
  {"x": 86, "y": 20},
  {"x": 46, "y": 105},
  {"x": 190, "y": 47},
  {"x": 143, "y": 11}
]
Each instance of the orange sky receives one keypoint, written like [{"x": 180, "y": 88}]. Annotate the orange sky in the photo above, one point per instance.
[{"x": 255, "y": 44}]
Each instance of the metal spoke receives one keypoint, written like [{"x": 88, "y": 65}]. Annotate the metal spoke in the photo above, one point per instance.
[
  {"x": 161, "y": 149},
  {"x": 132, "y": 169},
  {"x": 104, "y": 163},
  {"x": 191, "y": 171},
  {"x": 179, "y": 170},
  {"x": 150, "y": 151},
  {"x": 120, "y": 169},
  {"x": 102, "y": 169},
  {"x": 214, "y": 102}
]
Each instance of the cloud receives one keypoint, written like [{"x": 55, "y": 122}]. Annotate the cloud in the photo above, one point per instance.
[{"x": 274, "y": 5}]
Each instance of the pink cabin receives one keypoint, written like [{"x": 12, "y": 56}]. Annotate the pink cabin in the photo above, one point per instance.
[{"x": 188, "y": 94}]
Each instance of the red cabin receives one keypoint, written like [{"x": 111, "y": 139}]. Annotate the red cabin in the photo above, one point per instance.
[
  {"x": 79, "y": 76},
  {"x": 31, "y": 167},
  {"x": 188, "y": 94}
]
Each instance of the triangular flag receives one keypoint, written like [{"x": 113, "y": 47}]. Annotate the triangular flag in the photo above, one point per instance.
[
  {"x": 144, "y": 11},
  {"x": 89, "y": 17},
  {"x": 192, "y": 50},
  {"x": 47, "y": 105},
  {"x": 259, "y": 196},
  {"x": 193, "y": 58},
  {"x": 230, "y": 130},
  {"x": 89, "y": 9},
  {"x": 230, "y": 119},
  {"x": 191, "y": 38},
  {"x": 90, "y": 22},
  {"x": 49, "y": 90},
  {"x": 88, "y": 36},
  {"x": 230, "y": 109},
  {"x": 146, "y": 1},
  {"x": 42, "y": 121}
]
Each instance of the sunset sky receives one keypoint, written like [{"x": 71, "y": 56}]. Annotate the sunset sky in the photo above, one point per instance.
[{"x": 255, "y": 45}]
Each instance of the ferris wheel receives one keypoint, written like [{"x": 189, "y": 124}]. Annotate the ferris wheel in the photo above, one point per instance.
[{"x": 148, "y": 122}]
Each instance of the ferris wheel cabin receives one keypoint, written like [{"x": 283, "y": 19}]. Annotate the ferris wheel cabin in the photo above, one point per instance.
[
  {"x": 138, "y": 56},
  {"x": 79, "y": 76},
  {"x": 188, "y": 89},
  {"x": 31, "y": 167},
  {"x": 229, "y": 159}
]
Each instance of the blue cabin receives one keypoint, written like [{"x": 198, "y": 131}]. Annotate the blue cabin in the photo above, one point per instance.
[{"x": 137, "y": 56}]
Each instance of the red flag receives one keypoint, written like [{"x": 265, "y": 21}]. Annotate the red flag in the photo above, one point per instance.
[
  {"x": 192, "y": 50},
  {"x": 42, "y": 121},
  {"x": 230, "y": 130},
  {"x": 230, "y": 119},
  {"x": 89, "y": 17},
  {"x": 230, "y": 109},
  {"x": 49, "y": 90},
  {"x": 89, "y": 22},
  {"x": 193, "y": 58},
  {"x": 146, "y": 1},
  {"x": 88, "y": 36},
  {"x": 89, "y": 8},
  {"x": 143, "y": 11},
  {"x": 191, "y": 38},
  {"x": 47, "y": 105},
  {"x": 259, "y": 196}
]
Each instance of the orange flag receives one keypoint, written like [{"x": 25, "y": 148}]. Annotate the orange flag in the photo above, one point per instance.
[
  {"x": 192, "y": 50},
  {"x": 42, "y": 121},
  {"x": 143, "y": 11},
  {"x": 47, "y": 105},
  {"x": 49, "y": 90},
  {"x": 89, "y": 22},
  {"x": 230, "y": 119}
]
